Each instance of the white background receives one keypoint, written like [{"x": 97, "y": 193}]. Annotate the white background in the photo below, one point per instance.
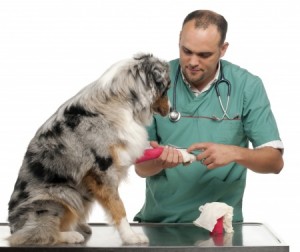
[{"x": 50, "y": 49}]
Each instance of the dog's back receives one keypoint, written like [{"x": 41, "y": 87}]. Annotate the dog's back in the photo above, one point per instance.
[{"x": 49, "y": 186}]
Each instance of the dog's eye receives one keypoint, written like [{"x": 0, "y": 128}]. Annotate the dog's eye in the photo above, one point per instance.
[{"x": 164, "y": 93}]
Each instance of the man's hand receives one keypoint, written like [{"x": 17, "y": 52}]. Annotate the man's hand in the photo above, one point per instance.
[
  {"x": 170, "y": 157},
  {"x": 213, "y": 155}
]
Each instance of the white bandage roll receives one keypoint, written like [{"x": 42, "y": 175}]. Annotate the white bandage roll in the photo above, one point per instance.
[{"x": 187, "y": 157}]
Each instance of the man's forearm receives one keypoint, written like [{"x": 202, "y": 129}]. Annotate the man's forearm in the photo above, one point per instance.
[
  {"x": 264, "y": 160},
  {"x": 147, "y": 168}
]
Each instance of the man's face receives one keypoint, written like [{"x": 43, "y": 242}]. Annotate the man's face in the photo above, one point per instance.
[{"x": 200, "y": 52}]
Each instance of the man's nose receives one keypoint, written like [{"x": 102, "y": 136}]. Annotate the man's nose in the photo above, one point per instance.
[{"x": 194, "y": 61}]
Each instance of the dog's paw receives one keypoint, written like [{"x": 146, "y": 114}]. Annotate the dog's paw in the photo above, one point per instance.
[
  {"x": 84, "y": 228},
  {"x": 71, "y": 237},
  {"x": 135, "y": 238}
]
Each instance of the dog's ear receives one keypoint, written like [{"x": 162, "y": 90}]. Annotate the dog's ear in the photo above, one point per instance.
[
  {"x": 138, "y": 74},
  {"x": 160, "y": 75},
  {"x": 142, "y": 68},
  {"x": 157, "y": 75},
  {"x": 153, "y": 72}
]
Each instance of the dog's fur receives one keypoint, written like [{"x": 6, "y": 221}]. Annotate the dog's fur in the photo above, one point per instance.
[{"x": 82, "y": 153}]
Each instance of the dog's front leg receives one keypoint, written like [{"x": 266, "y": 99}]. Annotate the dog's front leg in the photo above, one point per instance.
[
  {"x": 127, "y": 235},
  {"x": 108, "y": 197},
  {"x": 111, "y": 201}
]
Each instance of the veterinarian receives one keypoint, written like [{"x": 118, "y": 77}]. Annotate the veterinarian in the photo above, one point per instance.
[{"x": 217, "y": 128}]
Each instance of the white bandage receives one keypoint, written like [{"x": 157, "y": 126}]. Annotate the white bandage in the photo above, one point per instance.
[
  {"x": 187, "y": 157},
  {"x": 210, "y": 212}
]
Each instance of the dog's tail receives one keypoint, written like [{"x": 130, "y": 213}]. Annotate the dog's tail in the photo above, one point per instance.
[{"x": 35, "y": 234}]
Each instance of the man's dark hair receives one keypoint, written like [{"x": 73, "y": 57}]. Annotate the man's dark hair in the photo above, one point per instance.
[{"x": 204, "y": 18}]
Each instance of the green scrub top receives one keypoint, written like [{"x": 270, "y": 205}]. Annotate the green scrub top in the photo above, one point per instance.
[{"x": 175, "y": 194}]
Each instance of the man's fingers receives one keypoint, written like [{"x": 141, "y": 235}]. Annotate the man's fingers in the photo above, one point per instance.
[
  {"x": 154, "y": 144},
  {"x": 197, "y": 146}
]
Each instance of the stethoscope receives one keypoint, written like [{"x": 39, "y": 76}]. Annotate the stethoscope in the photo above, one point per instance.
[{"x": 175, "y": 115}]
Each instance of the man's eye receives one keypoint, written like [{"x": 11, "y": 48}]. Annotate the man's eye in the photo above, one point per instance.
[
  {"x": 204, "y": 55},
  {"x": 186, "y": 51}
]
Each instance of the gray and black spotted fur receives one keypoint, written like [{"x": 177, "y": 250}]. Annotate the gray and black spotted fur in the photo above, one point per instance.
[{"x": 83, "y": 151}]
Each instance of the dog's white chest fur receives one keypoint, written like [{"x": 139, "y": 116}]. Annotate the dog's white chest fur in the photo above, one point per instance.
[{"x": 135, "y": 136}]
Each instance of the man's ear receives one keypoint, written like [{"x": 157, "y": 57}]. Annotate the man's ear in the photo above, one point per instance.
[
  {"x": 224, "y": 48},
  {"x": 179, "y": 38}
]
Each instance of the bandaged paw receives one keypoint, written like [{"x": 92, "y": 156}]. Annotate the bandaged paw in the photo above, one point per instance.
[{"x": 187, "y": 157}]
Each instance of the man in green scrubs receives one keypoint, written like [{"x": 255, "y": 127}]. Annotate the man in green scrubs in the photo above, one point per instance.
[{"x": 221, "y": 138}]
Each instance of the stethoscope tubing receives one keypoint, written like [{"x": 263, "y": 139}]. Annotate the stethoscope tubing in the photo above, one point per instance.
[{"x": 175, "y": 115}]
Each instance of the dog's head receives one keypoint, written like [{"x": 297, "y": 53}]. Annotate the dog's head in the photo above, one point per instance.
[
  {"x": 153, "y": 75},
  {"x": 139, "y": 84}
]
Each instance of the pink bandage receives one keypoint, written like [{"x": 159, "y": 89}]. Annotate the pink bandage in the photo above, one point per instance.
[
  {"x": 218, "y": 229},
  {"x": 150, "y": 154}
]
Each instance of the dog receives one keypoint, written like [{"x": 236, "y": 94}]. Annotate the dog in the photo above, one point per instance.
[{"x": 82, "y": 153}]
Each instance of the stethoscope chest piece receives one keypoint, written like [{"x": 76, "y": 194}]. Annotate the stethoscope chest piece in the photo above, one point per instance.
[{"x": 174, "y": 116}]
